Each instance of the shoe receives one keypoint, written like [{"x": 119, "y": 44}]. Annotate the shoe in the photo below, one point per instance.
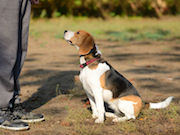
[
  {"x": 25, "y": 116},
  {"x": 11, "y": 122}
]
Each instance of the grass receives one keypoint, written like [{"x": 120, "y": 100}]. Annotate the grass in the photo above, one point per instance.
[
  {"x": 83, "y": 124},
  {"x": 127, "y": 127},
  {"x": 157, "y": 122},
  {"x": 81, "y": 120},
  {"x": 118, "y": 29},
  {"x": 132, "y": 34}
]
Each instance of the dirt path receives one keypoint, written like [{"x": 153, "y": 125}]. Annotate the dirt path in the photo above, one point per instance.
[{"x": 50, "y": 67}]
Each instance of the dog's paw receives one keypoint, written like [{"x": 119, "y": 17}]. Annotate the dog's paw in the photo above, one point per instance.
[
  {"x": 94, "y": 115},
  {"x": 99, "y": 120},
  {"x": 116, "y": 120},
  {"x": 121, "y": 119}
]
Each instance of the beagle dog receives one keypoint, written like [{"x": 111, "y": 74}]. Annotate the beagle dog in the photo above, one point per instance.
[{"x": 104, "y": 85}]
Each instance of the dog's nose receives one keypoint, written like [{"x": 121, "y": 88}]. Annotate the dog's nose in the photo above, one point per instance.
[{"x": 65, "y": 31}]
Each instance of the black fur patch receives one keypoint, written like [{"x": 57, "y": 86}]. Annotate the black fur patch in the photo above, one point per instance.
[{"x": 118, "y": 84}]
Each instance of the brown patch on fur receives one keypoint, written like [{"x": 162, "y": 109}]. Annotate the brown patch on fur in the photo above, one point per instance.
[
  {"x": 146, "y": 106},
  {"x": 135, "y": 99},
  {"x": 102, "y": 81},
  {"x": 84, "y": 41}
]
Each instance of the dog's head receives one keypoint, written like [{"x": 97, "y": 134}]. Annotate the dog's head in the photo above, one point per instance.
[{"x": 81, "y": 39}]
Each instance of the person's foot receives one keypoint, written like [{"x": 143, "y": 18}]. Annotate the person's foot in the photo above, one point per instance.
[
  {"x": 11, "y": 122},
  {"x": 25, "y": 116}
]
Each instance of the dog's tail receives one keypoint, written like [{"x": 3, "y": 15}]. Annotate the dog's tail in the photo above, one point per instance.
[{"x": 159, "y": 105}]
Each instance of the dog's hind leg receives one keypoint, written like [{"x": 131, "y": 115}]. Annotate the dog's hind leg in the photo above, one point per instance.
[
  {"x": 110, "y": 115},
  {"x": 115, "y": 117},
  {"x": 126, "y": 107}
]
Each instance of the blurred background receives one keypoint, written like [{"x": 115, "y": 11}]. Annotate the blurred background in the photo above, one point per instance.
[
  {"x": 106, "y": 8},
  {"x": 124, "y": 20}
]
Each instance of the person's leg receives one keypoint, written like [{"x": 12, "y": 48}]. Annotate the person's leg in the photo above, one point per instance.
[
  {"x": 23, "y": 33},
  {"x": 14, "y": 27},
  {"x": 8, "y": 56},
  {"x": 8, "y": 48}
]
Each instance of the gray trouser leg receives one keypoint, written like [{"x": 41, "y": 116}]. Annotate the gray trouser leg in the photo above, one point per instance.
[{"x": 14, "y": 25}]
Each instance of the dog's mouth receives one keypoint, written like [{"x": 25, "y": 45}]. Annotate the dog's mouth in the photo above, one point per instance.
[
  {"x": 68, "y": 35},
  {"x": 69, "y": 41}
]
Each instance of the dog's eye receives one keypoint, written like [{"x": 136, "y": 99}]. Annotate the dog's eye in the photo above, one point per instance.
[{"x": 78, "y": 32}]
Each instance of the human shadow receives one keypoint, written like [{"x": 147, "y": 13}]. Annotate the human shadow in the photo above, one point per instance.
[{"x": 58, "y": 83}]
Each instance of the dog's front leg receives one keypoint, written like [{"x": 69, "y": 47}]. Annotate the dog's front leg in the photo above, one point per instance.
[
  {"x": 93, "y": 106},
  {"x": 99, "y": 104}
]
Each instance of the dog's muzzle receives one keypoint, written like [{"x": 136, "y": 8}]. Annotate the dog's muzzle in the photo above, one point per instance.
[{"x": 68, "y": 35}]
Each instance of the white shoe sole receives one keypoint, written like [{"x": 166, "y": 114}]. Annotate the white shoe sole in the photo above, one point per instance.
[
  {"x": 33, "y": 121},
  {"x": 15, "y": 128}
]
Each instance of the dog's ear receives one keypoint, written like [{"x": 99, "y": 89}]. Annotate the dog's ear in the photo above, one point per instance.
[{"x": 86, "y": 45}]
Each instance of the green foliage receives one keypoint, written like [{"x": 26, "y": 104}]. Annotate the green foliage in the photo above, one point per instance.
[
  {"x": 43, "y": 13},
  {"x": 56, "y": 14},
  {"x": 78, "y": 2},
  {"x": 132, "y": 34},
  {"x": 104, "y": 8}
]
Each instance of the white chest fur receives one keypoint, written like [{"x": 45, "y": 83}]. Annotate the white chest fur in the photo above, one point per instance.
[{"x": 90, "y": 78}]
